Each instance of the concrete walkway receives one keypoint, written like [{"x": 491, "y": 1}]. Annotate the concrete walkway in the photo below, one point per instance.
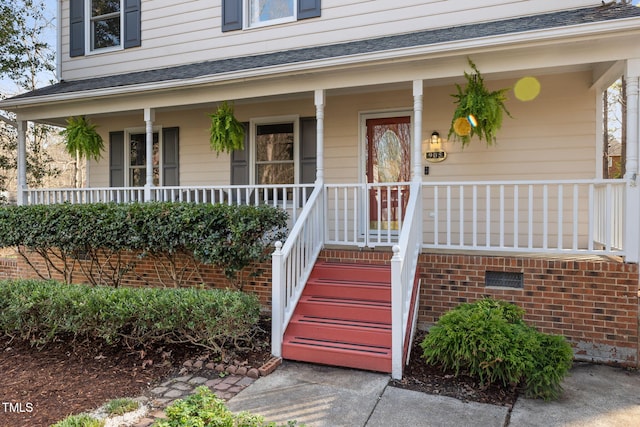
[{"x": 324, "y": 396}]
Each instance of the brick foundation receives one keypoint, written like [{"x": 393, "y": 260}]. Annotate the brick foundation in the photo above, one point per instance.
[
  {"x": 153, "y": 272},
  {"x": 591, "y": 301}
]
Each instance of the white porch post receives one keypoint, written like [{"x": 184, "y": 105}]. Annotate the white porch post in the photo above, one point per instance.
[
  {"x": 417, "y": 130},
  {"x": 149, "y": 118},
  {"x": 632, "y": 214},
  {"x": 319, "y": 99},
  {"x": 22, "y": 162}
]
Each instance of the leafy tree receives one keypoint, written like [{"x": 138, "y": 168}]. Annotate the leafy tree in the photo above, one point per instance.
[{"x": 24, "y": 58}]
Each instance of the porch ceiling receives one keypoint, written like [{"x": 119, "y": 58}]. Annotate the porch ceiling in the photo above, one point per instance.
[{"x": 591, "y": 38}]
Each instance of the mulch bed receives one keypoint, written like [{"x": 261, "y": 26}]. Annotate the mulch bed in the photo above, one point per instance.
[
  {"x": 44, "y": 386},
  {"x": 432, "y": 379}
]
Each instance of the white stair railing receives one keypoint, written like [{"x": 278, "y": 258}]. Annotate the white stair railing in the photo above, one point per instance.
[
  {"x": 404, "y": 265},
  {"x": 292, "y": 263}
]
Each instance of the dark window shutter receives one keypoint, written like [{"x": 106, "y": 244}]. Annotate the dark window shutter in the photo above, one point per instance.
[
  {"x": 76, "y": 29},
  {"x": 116, "y": 159},
  {"x": 240, "y": 161},
  {"x": 231, "y": 15},
  {"x": 308, "y": 9},
  {"x": 132, "y": 36},
  {"x": 170, "y": 157},
  {"x": 308, "y": 139}
]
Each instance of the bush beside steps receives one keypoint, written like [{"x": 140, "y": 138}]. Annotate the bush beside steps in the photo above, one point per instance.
[{"x": 490, "y": 341}]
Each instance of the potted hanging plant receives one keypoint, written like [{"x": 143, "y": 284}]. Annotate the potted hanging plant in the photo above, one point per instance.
[
  {"x": 82, "y": 139},
  {"x": 226, "y": 133},
  {"x": 479, "y": 111}
]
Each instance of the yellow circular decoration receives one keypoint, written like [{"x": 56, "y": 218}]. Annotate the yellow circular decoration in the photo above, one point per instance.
[
  {"x": 527, "y": 89},
  {"x": 461, "y": 126}
]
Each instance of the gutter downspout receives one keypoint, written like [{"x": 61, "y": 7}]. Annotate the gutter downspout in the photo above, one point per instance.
[{"x": 59, "y": 41}]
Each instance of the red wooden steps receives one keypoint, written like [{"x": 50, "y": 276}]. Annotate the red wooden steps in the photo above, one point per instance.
[{"x": 343, "y": 318}]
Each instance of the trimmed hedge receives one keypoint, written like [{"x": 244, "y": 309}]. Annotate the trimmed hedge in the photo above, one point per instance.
[
  {"x": 489, "y": 340},
  {"x": 45, "y": 311},
  {"x": 93, "y": 237}
]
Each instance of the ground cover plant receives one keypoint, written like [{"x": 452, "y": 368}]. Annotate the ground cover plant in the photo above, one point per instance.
[
  {"x": 489, "y": 340},
  {"x": 204, "y": 409}
]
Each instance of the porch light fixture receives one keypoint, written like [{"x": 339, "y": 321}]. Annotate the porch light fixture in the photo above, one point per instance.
[
  {"x": 436, "y": 141},
  {"x": 435, "y": 153}
]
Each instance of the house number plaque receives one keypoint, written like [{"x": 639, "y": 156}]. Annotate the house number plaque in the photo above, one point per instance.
[{"x": 436, "y": 156}]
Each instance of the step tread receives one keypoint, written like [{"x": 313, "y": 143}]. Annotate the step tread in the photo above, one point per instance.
[
  {"x": 349, "y": 282},
  {"x": 335, "y": 264},
  {"x": 340, "y": 322},
  {"x": 362, "y": 302},
  {"x": 364, "y": 349}
]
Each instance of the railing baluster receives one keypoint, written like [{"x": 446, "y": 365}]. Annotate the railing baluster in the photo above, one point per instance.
[
  {"x": 502, "y": 216},
  {"x": 560, "y": 216},
  {"x": 516, "y": 216}
]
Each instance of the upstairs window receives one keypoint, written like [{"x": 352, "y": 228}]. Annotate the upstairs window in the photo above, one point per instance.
[
  {"x": 105, "y": 23},
  {"x": 264, "y": 12},
  {"x": 239, "y": 14}
]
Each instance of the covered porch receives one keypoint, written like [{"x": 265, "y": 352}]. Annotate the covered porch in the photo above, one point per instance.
[{"x": 539, "y": 190}]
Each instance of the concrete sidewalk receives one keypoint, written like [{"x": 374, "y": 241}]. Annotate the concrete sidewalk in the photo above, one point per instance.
[{"x": 326, "y": 396}]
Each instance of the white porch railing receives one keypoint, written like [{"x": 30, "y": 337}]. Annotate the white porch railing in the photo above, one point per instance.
[
  {"x": 289, "y": 197},
  {"x": 365, "y": 214},
  {"x": 49, "y": 196},
  {"x": 567, "y": 217},
  {"x": 404, "y": 265},
  {"x": 292, "y": 264}
]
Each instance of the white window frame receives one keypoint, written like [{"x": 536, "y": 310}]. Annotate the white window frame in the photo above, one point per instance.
[
  {"x": 127, "y": 152},
  {"x": 89, "y": 31},
  {"x": 247, "y": 16},
  {"x": 254, "y": 123}
]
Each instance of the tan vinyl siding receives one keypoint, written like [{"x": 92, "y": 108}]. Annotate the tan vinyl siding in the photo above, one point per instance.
[
  {"x": 183, "y": 32},
  {"x": 552, "y": 137}
]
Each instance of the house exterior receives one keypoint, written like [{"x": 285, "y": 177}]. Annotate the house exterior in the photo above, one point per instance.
[{"x": 343, "y": 103}]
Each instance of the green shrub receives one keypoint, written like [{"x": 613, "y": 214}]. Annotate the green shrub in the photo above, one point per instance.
[
  {"x": 175, "y": 236},
  {"x": 489, "y": 340},
  {"x": 43, "y": 311},
  {"x": 80, "y": 420},
  {"x": 204, "y": 409}
]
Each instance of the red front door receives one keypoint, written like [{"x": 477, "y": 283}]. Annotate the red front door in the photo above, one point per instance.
[{"x": 388, "y": 162}]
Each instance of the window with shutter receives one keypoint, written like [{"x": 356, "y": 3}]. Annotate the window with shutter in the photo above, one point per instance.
[
  {"x": 103, "y": 25},
  {"x": 128, "y": 158}
]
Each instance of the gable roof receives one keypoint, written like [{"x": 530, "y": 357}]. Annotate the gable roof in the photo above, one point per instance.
[{"x": 380, "y": 44}]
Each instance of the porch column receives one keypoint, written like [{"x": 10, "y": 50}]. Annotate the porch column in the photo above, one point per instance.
[
  {"x": 632, "y": 214},
  {"x": 319, "y": 99},
  {"x": 22, "y": 162},
  {"x": 417, "y": 131},
  {"x": 149, "y": 118}
]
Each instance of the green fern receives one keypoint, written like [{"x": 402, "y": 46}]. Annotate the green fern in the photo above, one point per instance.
[
  {"x": 226, "y": 132},
  {"x": 81, "y": 137},
  {"x": 476, "y": 101}
]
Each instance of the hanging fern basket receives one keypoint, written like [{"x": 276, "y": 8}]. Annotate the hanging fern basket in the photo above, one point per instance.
[
  {"x": 226, "y": 133},
  {"x": 81, "y": 138},
  {"x": 478, "y": 112}
]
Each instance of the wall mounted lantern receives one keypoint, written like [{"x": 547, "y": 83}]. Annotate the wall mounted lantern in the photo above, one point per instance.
[{"x": 435, "y": 153}]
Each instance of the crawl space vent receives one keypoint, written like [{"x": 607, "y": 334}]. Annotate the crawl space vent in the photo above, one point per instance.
[{"x": 503, "y": 279}]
